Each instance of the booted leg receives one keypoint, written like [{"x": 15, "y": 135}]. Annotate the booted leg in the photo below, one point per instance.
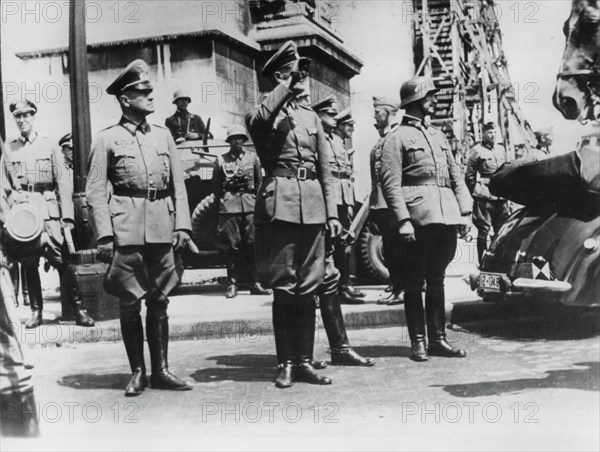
[
  {"x": 481, "y": 246},
  {"x": 70, "y": 284},
  {"x": 24, "y": 287},
  {"x": 157, "y": 331},
  {"x": 342, "y": 353},
  {"x": 305, "y": 342},
  {"x": 231, "y": 275},
  {"x": 256, "y": 288},
  {"x": 19, "y": 415},
  {"x": 436, "y": 323},
  {"x": 35, "y": 296},
  {"x": 415, "y": 321},
  {"x": 283, "y": 326},
  {"x": 13, "y": 269},
  {"x": 133, "y": 338}
]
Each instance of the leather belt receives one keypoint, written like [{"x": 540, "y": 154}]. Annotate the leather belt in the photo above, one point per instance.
[
  {"x": 300, "y": 173},
  {"x": 151, "y": 194},
  {"x": 426, "y": 180},
  {"x": 39, "y": 187},
  {"x": 343, "y": 175}
]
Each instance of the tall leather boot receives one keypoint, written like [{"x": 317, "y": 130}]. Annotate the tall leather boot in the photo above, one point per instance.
[
  {"x": 436, "y": 324},
  {"x": 70, "y": 285},
  {"x": 133, "y": 338},
  {"x": 13, "y": 270},
  {"x": 482, "y": 242},
  {"x": 305, "y": 342},
  {"x": 20, "y": 418},
  {"x": 415, "y": 321},
  {"x": 231, "y": 275},
  {"x": 346, "y": 288},
  {"x": 256, "y": 288},
  {"x": 342, "y": 353},
  {"x": 35, "y": 297},
  {"x": 157, "y": 331},
  {"x": 284, "y": 331},
  {"x": 24, "y": 287}
]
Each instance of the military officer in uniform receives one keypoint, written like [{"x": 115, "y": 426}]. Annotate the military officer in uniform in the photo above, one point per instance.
[
  {"x": 236, "y": 177},
  {"x": 489, "y": 211},
  {"x": 385, "y": 122},
  {"x": 146, "y": 217},
  {"x": 184, "y": 125},
  {"x": 294, "y": 204},
  {"x": 428, "y": 200},
  {"x": 340, "y": 166},
  {"x": 39, "y": 167}
]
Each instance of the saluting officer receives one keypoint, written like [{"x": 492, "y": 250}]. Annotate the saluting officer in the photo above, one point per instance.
[
  {"x": 489, "y": 211},
  {"x": 386, "y": 123},
  {"x": 236, "y": 177},
  {"x": 295, "y": 202},
  {"x": 147, "y": 215},
  {"x": 183, "y": 124},
  {"x": 340, "y": 165},
  {"x": 427, "y": 199},
  {"x": 40, "y": 170}
]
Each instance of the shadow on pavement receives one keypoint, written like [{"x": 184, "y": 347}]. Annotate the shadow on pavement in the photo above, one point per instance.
[
  {"x": 96, "y": 381},
  {"x": 383, "y": 351},
  {"x": 586, "y": 379},
  {"x": 239, "y": 368}
]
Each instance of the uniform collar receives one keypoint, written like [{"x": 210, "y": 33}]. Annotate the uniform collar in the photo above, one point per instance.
[
  {"x": 488, "y": 146},
  {"x": 237, "y": 156},
  {"x": 389, "y": 128},
  {"x": 30, "y": 139},
  {"x": 132, "y": 127},
  {"x": 183, "y": 114},
  {"x": 415, "y": 122}
]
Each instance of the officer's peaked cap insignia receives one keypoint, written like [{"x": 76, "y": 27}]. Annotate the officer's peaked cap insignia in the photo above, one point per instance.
[
  {"x": 134, "y": 76},
  {"x": 283, "y": 60},
  {"x": 25, "y": 106},
  {"x": 327, "y": 105}
]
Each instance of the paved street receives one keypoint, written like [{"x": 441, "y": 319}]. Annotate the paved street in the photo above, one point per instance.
[{"x": 527, "y": 384}]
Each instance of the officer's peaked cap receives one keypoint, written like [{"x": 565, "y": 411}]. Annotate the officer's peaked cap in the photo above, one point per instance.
[
  {"x": 327, "y": 105},
  {"x": 344, "y": 117},
  {"x": 21, "y": 107},
  {"x": 284, "y": 59},
  {"x": 134, "y": 76},
  {"x": 67, "y": 140}
]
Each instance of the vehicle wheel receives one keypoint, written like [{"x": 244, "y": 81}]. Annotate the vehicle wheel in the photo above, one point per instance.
[
  {"x": 204, "y": 223},
  {"x": 369, "y": 247}
]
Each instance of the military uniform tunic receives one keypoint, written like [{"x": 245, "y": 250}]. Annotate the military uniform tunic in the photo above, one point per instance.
[
  {"x": 235, "y": 180},
  {"x": 296, "y": 197},
  {"x": 134, "y": 159},
  {"x": 38, "y": 166},
  {"x": 182, "y": 123}
]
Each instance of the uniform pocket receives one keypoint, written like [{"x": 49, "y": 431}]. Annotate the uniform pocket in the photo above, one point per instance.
[
  {"x": 413, "y": 155},
  {"x": 43, "y": 168}
]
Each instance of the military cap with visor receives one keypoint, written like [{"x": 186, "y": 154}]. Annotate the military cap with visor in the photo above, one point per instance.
[
  {"x": 21, "y": 107},
  {"x": 133, "y": 77},
  {"x": 66, "y": 140},
  {"x": 344, "y": 117},
  {"x": 327, "y": 105},
  {"x": 285, "y": 59}
]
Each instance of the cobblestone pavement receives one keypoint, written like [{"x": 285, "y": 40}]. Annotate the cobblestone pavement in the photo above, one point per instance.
[{"x": 531, "y": 384}]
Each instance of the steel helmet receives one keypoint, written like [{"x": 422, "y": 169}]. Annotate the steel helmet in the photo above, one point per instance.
[
  {"x": 235, "y": 131},
  {"x": 181, "y": 94},
  {"x": 416, "y": 89}
]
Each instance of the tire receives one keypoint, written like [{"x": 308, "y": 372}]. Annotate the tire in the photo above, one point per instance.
[
  {"x": 369, "y": 247},
  {"x": 204, "y": 223}
]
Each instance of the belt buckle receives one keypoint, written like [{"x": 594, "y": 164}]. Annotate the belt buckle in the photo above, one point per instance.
[
  {"x": 30, "y": 188},
  {"x": 302, "y": 173},
  {"x": 152, "y": 194}
]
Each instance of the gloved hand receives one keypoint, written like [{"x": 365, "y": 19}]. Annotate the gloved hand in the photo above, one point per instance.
[
  {"x": 105, "y": 250},
  {"x": 334, "y": 227},
  {"x": 465, "y": 227},
  {"x": 182, "y": 239},
  {"x": 407, "y": 232}
]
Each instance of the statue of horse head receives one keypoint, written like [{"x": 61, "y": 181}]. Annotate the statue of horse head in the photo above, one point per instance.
[{"x": 577, "y": 94}]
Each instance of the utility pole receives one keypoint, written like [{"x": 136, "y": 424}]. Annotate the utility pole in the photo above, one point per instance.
[{"x": 80, "y": 118}]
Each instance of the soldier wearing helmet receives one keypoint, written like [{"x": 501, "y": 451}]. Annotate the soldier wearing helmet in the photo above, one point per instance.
[
  {"x": 428, "y": 201},
  {"x": 236, "y": 177},
  {"x": 183, "y": 124}
]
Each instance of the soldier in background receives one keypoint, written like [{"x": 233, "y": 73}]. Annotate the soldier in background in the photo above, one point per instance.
[
  {"x": 545, "y": 138},
  {"x": 386, "y": 123},
  {"x": 138, "y": 229},
  {"x": 185, "y": 126},
  {"x": 236, "y": 178},
  {"x": 39, "y": 167},
  {"x": 294, "y": 204},
  {"x": 489, "y": 211},
  {"x": 428, "y": 202},
  {"x": 340, "y": 167}
]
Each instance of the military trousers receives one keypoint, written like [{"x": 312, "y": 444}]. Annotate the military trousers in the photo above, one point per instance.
[
  {"x": 392, "y": 251},
  {"x": 489, "y": 215},
  {"x": 138, "y": 271},
  {"x": 235, "y": 231},
  {"x": 331, "y": 280},
  {"x": 290, "y": 258}
]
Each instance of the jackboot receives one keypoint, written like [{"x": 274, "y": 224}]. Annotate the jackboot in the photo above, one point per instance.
[
  {"x": 345, "y": 283},
  {"x": 231, "y": 276},
  {"x": 133, "y": 338},
  {"x": 284, "y": 328},
  {"x": 70, "y": 284},
  {"x": 256, "y": 288},
  {"x": 415, "y": 321},
  {"x": 157, "y": 332},
  {"x": 24, "y": 287},
  {"x": 20, "y": 418},
  {"x": 305, "y": 342},
  {"x": 342, "y": 353},
  {"x": 35, "y": 297},
  {"x": 436, "y": 325}
]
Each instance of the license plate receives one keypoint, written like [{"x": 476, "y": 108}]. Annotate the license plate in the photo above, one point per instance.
[{"x": 489, "y": 281}]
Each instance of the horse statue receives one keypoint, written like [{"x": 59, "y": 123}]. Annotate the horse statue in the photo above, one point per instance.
[{"x": 577, "y": 94}]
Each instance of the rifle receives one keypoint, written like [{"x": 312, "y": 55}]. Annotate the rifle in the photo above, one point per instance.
[{"x": 204, "y": 146}]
